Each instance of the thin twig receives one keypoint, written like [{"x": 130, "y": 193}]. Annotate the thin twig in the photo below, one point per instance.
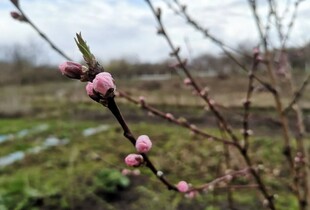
[
  {"x": 247, "y": 102},
  {"x": 128, "y": 134},
  {"x": 184, "y": 14},
  {"x": 297, "y": 95},
  {"x": 226, "y": 178},
  {"x": 205, "y": 97},
  {"x": 287, "y": 150},
  {"x": 291, "y": 23},
  {"x": 180, "y": 121},
  {"x": 182, "y": 65},
  {"x": 52, "y": 45}
]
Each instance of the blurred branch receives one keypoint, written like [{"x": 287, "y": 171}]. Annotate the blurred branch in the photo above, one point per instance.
[
  {"x": 301, "y": 182},
  {"x": 297, "y": 95},
  {"x": 128, "y": 134},
  {"x": 287, "y": 150},
  {"x": 226, "y": 178},
  {"x": 204, "y": 95},
  {"x": 178, "y": 121},
  {"x": 27, "y": 20},
  {"x": 287, "y": 145},
  {"x": 182, "y": 65},
  {"x": 291, "y": 23},
  {"x": 182, "y": 12},
  {"x": 247, "y": 102}
]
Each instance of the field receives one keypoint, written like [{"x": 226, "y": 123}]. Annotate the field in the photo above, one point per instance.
[{"x": 60, "y": 150}]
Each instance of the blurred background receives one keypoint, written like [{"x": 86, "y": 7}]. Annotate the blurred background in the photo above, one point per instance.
[{"x": 60, "y": 150}]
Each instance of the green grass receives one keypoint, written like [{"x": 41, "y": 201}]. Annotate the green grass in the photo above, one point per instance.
[{"x": 64, "y": 177}]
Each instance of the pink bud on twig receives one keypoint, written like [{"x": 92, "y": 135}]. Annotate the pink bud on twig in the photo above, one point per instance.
[
  {"x": 17, "y": 16},
  {"x": 182, "y": 186},
  {"x": 187, "y": 81},
  {"x": 90, "y": 89},
  {"x": 71, "y": 69},
  {"x": 134, "y": 160},
  {"x": 126, "y": 172},
  {"x": 191, "y": 194},
  {"x": 143, "y": 144},
  {"x": 142, "y": 100},
  {"x": 103, "y": 83},
  {"x": 169, "y": 116}
]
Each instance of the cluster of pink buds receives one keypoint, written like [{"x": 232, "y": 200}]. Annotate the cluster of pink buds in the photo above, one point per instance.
[
  {"x": 143, "y": 145},
  {"x": 103, "y": 83}
]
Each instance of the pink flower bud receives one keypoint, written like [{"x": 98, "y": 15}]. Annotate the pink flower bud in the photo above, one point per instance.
[
  {"x": 143, "y": 144},
  {"x": 142, "y": 100},
  {"x": 256, "y": 51},
  {"x": 90, "y": 89},
  {"x": 126, "y": 172},
  {"x": 136, "y": 172},
  {"x": 169, "y": 116},
  {"x": 191, "y": 194},
  {"x": 103, "y": 82},
  {"x": 187, "y": 81},
  {"x": 17, "y": 16},
  {"x": 71, "y": 69},
  {"x": 90, "y": 92},
  {"x": 134, "y": 160},
  {"x": 182, "y": 186}
]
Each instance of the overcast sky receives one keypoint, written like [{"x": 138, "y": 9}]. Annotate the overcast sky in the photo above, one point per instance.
[{"x": 127, "y": 29}]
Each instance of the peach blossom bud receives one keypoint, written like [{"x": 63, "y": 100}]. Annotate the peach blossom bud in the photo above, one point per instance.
[
  {"x": 150, "y": 114},
  {"x": 71, "y": 69},
  {"x": 193, "y": 127},
  {"x": 212, "y": 102},
  {"x": 126, "y": 172},
  {"x": 160, "y": 174},
  {"x": 17, "y": 16},
  {"x": 256, "y": 50},
  {"x": 191, "y": 194},
  {"x": 203, "y": 93},
  {"x": 265, "y": 202},
  {"x": 103, "y": 82},
  {"x": 134, "y": 160},
  {"x": 142, "y": 100},
  {"x": 90, "y": 89},
  {"x": 211, "y": 188},
  {"x": 136, "y": 172},
  {"x": 187, "y": 82},
  {"x": 182, "y": 186},
  {"x": 276, "y": 172},
  {"x": 297, "y": 159},
  {"x": 229, "y": 177},
  {"x": 169, "y": 116},
  {"x": 143, "y": 144}
]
